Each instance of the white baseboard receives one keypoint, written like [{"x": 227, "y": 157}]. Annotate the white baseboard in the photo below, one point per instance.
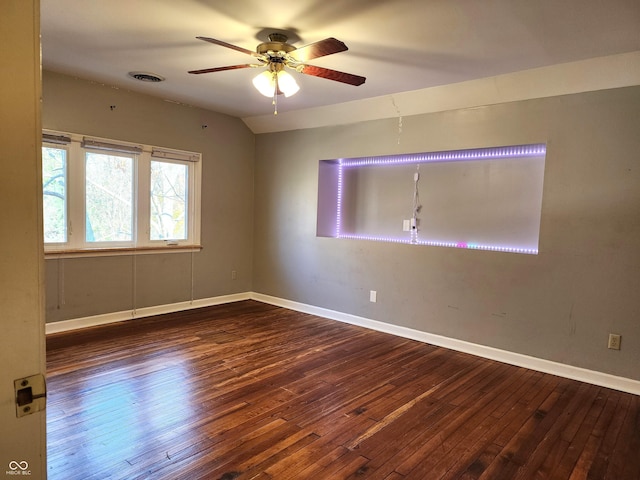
[
  {"x": 546, "y": 366},
  {"x": 567, "y": 371},
  {"x": 95, "y": 320}
]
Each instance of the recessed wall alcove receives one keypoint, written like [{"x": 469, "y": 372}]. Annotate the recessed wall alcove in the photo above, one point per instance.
[{"x": 484, "y": 199}]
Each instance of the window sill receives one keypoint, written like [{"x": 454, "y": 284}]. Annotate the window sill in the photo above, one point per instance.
[{"x": 111, "y": 252}]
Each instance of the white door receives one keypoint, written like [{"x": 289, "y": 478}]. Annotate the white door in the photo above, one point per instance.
[{"x": 22, "y": 342}]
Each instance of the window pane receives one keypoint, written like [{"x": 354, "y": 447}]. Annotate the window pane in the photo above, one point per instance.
[
  {"x": 109, "y": 198},
  {"x": 54, "y": 189},
  {"x": 168, "y": 201}
]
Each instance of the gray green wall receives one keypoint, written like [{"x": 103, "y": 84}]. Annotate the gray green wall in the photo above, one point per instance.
[
  {"x": 80, "y": 287},
  {"x": 558, "y": 305}
]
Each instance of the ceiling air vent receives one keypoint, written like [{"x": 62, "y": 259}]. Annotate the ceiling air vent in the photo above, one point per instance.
[{"x": 146, "y": 77}]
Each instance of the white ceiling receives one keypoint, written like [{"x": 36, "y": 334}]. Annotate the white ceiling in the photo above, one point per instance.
[{"x": 399, "y": 45}]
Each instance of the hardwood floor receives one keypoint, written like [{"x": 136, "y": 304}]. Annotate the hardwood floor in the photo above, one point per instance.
[{"x": 252, "y": 391}]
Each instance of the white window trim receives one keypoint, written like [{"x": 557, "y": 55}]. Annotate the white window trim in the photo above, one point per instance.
[{"x": 76, "y": 245}]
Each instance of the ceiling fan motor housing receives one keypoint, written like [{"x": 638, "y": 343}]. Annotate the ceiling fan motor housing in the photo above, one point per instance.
[{"x": 277, "y": 43}]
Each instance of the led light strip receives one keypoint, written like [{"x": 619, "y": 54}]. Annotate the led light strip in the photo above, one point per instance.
[
  {"x": 374, "y": 238},
  {"x": 412, "y": 241},
  {"x": 518, "y": 151},
  {"x": 339, "y": 203}
]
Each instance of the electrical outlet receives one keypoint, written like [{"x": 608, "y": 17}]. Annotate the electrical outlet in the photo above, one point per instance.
[
  {"x": 373, "y": 296},
  {"x": 234, "y": 275},
  {"x": 614, "y": 341}
]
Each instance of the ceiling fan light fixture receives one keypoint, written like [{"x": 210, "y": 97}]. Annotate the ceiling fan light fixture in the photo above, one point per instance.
[
  {"x": 287, "y": 83},
  {"x": 265, "y": 83}
]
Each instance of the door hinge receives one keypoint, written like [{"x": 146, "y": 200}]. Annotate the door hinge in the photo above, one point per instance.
[{"x": 31, "y": 394}]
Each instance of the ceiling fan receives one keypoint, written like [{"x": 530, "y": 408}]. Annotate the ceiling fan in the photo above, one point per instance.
[{"x": 276, "y": 54}]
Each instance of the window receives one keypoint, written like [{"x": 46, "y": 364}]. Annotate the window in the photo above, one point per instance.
[
  {"x": 100, "y": 194},
  {"x": 54, "y": 189},
  {"x": 168, "y": 200},
  {"x": 108, "y": 184}
]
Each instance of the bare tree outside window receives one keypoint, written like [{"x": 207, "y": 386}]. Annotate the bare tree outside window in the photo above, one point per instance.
[
  {"x": 168, "y": 201},
  {"x": 54, "y": 189},
  {"x": 109, "y": 198}
]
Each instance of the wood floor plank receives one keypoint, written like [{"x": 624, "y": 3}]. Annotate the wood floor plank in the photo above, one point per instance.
[
  {"x": 555, "y": 438},
  {"x": 624, "y": 457},
  {"x": 465, "y": 440},
  {"x": 252, "y": 391},
  {"x": 594, "y": 442},
  {"x": 522, "y": 442},
  {"x": 433, "y": 452},
  {"x": 471, "y": 455},
  {"x": 320, "y": 453}
]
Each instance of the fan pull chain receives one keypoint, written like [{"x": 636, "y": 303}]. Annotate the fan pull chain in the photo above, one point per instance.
[{"x": 275, "y": 95}]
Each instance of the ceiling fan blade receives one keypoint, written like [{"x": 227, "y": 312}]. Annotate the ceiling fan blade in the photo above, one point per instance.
[
  {"x": 228, "y": 45},
  {"x": 331, "y": 74},
  {"x": 222, "y": 69},
  {"x": 322, "y": 48}
]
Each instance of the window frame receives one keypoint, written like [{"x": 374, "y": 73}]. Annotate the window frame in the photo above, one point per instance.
[
  {"x": 193, "y": 194},
  {"x": 135, "y": 187},
  {"x": 76, "y": 146}
]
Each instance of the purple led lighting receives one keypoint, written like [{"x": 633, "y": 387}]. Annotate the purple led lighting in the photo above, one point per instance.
[
  {"x": 464, "y": 245},
  {"x": 374, "y": 238},
  {"x": 518, "y": 151},
  {"x": 339, "y": 201}
]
